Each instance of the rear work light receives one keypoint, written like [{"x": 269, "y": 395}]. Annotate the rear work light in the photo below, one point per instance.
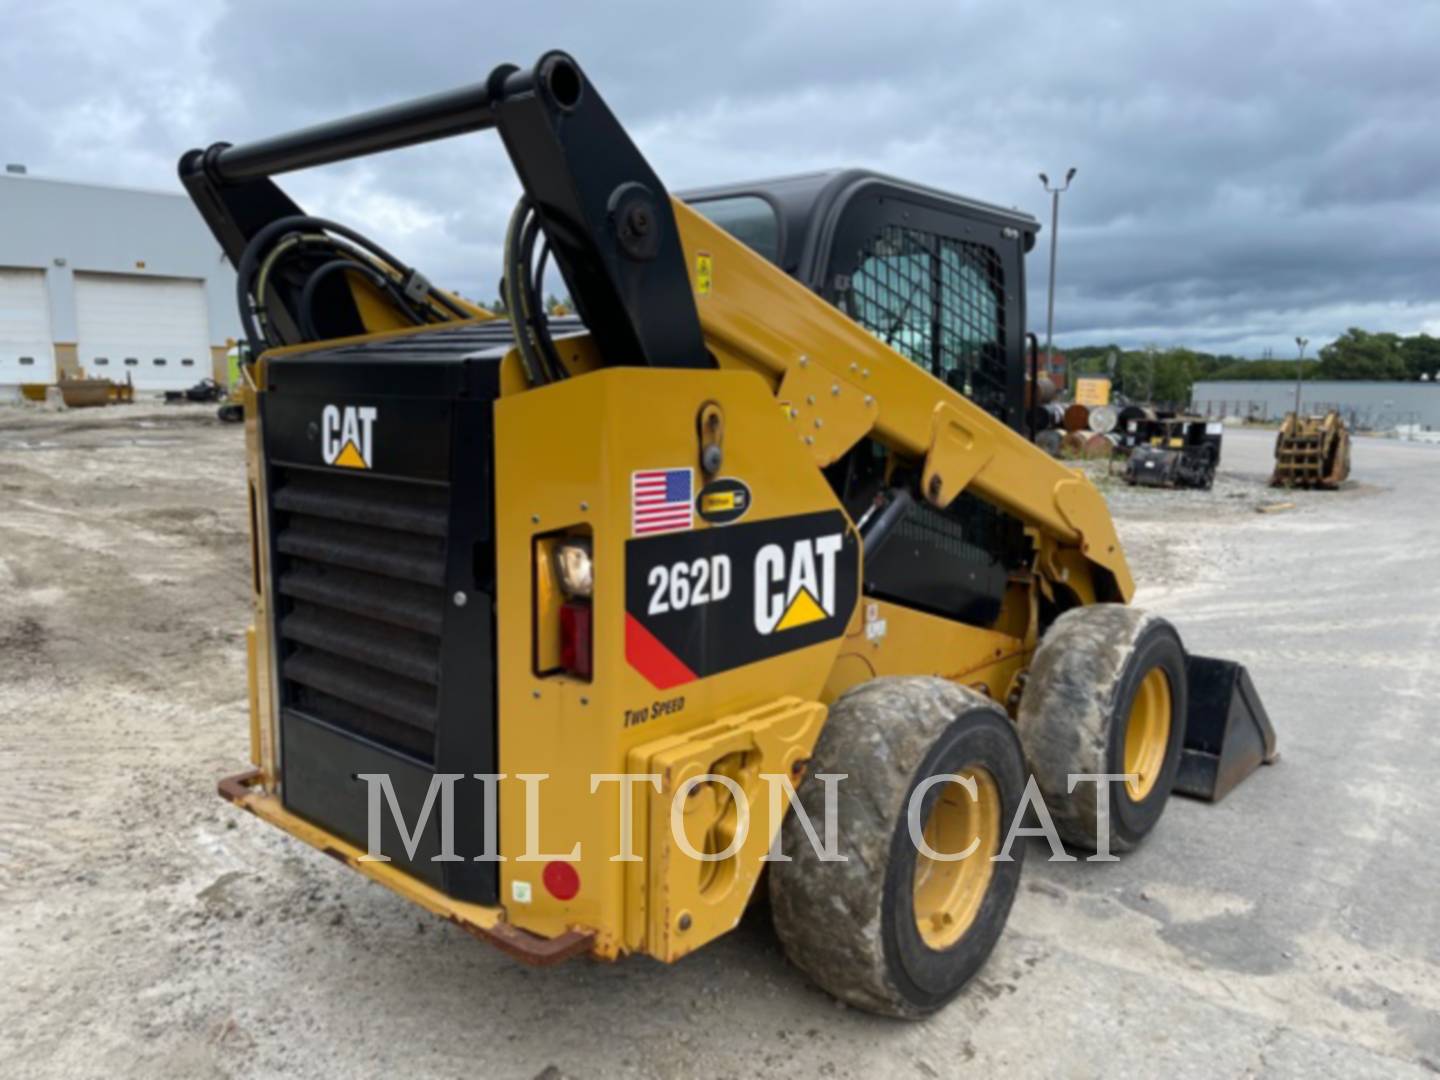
[
  {"x": 575, "y": 568},
  {"x": 564, "y": 587}
]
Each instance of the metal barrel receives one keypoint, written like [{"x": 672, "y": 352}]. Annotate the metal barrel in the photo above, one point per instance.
[
  {"x": 1077, "y": 417},
  {"x": 1039, "y": 392},
  {"x": 1098, "y": 447},
  {"x": 1050, "y": 416},
  {"x": 1133, "y": 412},
  {"x": 1103, "y": 419}
]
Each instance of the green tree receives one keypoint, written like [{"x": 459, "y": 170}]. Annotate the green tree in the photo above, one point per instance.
[
  {"x": 1087, "y": 359},
  {"x": 1421, "y": 355},
  {"x": 1276, "y": 370},
  {"x": 1171, "y": 378},
  {"x": 1359, "y": 354},
  {"x": 1355, "y": 354}
]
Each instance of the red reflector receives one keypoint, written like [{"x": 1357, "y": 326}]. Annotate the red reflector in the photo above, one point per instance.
[
  {"x": 575, "y": 620},
  {"x": 561, "y": 880}
]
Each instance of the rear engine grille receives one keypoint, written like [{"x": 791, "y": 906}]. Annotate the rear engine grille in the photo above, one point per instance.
[{"x": 361, "y": 565}]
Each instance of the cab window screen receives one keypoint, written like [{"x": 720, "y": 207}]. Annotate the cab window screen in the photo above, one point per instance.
[
  {"x": 937, "y": 301},
  {"x": 748, "y": 218}
]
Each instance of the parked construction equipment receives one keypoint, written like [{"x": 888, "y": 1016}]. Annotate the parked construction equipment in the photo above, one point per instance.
[
  {"x": 1312, "y": 452},
  {"x": 1172, "y": 451},
  {"x": 232, "y": 409},
  {"x": 768, "y": 509},
  {"x": 79, "y": 392}
]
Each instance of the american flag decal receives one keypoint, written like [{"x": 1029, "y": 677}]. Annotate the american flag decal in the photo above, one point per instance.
[{"x": 661, "y": 500}]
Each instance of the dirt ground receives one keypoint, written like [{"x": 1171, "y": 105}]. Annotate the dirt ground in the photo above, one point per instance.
[{"x": 149, "y": 930}]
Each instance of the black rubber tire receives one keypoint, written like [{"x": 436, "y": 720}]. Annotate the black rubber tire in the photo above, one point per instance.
[
  {"x": 1074, "y": 710},
  {"x": 850, "y": 925}
]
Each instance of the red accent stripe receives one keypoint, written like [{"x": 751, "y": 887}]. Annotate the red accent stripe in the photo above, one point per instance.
[{"x": 647, "y": 655}]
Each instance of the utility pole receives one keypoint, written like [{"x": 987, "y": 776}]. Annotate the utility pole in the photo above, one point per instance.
[
  {"x": 1299, "y": 372},
  {"x": 1054, "y": 238}
]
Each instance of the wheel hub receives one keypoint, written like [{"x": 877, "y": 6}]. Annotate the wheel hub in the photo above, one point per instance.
[
  {"x": 947, "y": 893},
  {"x": 1147, "y": 734}
]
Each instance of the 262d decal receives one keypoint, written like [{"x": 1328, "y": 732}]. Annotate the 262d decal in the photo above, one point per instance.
[{"x": 699, "y": 603}]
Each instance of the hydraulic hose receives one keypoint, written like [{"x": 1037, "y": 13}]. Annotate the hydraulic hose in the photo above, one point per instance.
[
  {"x": 336, "y": 266},
  {"x": 245, "y": 270}
]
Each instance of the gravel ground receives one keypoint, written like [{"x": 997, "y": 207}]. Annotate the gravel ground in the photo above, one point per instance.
[{"x": 148, "y": 930}]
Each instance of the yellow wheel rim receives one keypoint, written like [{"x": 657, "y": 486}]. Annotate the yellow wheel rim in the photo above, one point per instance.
[
  {"x": 947, "y": 893},
  {"x": 1147, "y": 734}
]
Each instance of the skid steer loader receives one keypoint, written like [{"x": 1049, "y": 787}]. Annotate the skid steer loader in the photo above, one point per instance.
[{"x": 552, "y": 615}]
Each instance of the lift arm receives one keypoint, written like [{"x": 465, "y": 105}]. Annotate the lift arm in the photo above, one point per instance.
[
  {"x": 657, "y": 284},
  {"x": 604, "y": 211},
  {"x": 756, "y": 315}
]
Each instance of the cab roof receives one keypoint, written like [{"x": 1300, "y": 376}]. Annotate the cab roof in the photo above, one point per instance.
[{"x": 808, "y": 205}]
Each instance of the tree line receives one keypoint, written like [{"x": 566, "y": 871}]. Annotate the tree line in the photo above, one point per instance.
[{"x": 1169, "y": 374}]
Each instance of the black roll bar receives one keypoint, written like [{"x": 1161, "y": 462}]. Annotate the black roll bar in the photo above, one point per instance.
[{"x": 438, "y": 116}]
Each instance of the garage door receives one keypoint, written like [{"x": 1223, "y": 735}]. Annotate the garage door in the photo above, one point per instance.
[
  {"x": 26, "y": 352},
  {"x": 156, "y": 330}
]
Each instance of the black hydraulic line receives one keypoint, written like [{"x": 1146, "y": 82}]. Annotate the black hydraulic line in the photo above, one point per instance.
[
  {"x": 524, "y": 303},
  {"x": 536, "y": 316},
  {"x": 450, "y": 305},
  {"x": 540, "y": 266},
  {"x": 543, "y": 326},
  {"x": 245, "y": 268},
  {"x": 335, "y": 266},
  {"x": 513, "y": 285},
  {"x": 439, "y": 116}
]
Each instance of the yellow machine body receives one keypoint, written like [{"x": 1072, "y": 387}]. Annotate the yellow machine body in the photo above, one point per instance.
[{"x": 798, "y": 384}]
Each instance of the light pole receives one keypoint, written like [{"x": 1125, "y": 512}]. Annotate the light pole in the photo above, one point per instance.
[
  {"x": 1054, "y": 237},
  {"x": 1299, "y": 372}
]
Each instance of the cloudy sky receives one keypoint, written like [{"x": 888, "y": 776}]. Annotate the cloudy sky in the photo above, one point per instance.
[{"x": 1247, "y": 171}]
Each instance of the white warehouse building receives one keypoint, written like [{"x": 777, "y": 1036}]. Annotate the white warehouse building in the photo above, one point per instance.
[
  {"x": 1372, "y": 406},
  {"x": 111, "y": 282}
]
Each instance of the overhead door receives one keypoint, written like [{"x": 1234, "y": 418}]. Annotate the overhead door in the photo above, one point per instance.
[
  {"x": 156, "y": 330},
  {"x": 26, "y": 350}
]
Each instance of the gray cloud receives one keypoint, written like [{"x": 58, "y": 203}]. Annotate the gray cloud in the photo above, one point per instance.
[{"x": 1246, "y": 171}]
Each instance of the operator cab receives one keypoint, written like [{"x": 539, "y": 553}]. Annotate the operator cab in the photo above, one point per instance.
[
  {"x": 937, "y": 277},
  {"x": 941, "y": 280}
]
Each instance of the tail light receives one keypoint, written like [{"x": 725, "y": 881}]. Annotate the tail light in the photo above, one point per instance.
[{"x": 576, "y": 649}]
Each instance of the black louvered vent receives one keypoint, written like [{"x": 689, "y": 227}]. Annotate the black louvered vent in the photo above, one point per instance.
[{"x": 361, "y": 566}]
